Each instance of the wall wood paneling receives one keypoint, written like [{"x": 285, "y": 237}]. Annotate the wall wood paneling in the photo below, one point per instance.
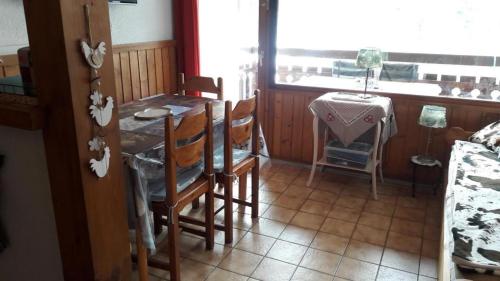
[
  {"x": 9, "y": 65},
  {"x": 144, "y": 69},
  {"x": 141, "y": 69},
  {"x": 288, "y": 126}
]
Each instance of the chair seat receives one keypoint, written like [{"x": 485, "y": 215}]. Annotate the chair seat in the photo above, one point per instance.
[
  {"x": 185, "y": 177},
  {"x": 238, "y": 156}
]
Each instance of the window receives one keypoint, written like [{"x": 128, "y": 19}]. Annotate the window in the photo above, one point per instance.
[{"x": 451, "y": 43}]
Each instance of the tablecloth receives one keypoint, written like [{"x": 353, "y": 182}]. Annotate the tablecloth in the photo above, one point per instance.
[{"x": 349, "y": 115}]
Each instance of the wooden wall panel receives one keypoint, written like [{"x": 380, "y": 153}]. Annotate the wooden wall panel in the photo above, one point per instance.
[
  {"x": 145, "y": 69},
  {"x": 288, "y": 126},
  {"x": 141, "y": 70}
]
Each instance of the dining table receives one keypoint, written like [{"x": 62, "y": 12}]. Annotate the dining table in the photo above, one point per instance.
[{"x": 143, "y": 153}]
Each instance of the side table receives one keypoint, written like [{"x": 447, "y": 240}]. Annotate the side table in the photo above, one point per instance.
[{"x": 426, "y": 162}]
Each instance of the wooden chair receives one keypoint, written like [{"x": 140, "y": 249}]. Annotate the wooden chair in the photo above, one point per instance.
[
  {"x": 201, "y": 84},
  {"x": 240, "y": 126},
  {"x": 186, "y": 178}
]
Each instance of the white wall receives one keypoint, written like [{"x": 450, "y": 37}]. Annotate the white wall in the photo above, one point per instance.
[
  {"x": 26, "y": 211},
  {"x": 149, "y": 20},
  {"x": 13, "y": 33}
]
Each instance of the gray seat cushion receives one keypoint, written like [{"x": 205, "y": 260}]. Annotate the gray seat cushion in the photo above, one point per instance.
[
  {"x": 185, "y": 177},
  {"x": 238, "y": 156}
]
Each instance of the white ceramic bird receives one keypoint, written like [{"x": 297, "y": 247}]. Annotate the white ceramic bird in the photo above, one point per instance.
[
  {"x": 102, "y": 115},
  {"x": 94, "y": 57},
  {"x": 100, "y": 167}
]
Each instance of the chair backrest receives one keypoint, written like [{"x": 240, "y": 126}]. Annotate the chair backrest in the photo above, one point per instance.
[
  {"x": 246, "y": 127},
  {"x": 195, "y": 133},
  {"x": 201, "y": 84},
  {"x": 347, "y": 69},
  {"x": 399, "y": 72}
]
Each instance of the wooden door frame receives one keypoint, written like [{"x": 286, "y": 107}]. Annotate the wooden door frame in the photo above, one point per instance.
[{"x": 90, "y": 212}]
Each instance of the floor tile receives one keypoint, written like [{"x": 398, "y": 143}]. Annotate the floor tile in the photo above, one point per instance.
[
  {"x": 323, "y": 196},
  {"x": 273, "y": 186},
  {"x": 356, "y": 270},
  {"x": 288, "y": 202},
  {"x": 380, "y": 207},
  {"x": 248, "y": 210},
  {"x": 430, "y": 248},
  {"x": 321, "y": 261},
  {"x": 375, "y": 221},
  {"x": 338, "y": 227},
  {"x": 243, "y": 221},
  {"x": 304, "y": 274},
  {"x": 362, "y": 192},
  {"x": 221, "y": 274},
  {"x": 432, "y": 232},
  {"x": 350, "y": 202},
  {"x": 390, "y": 274},
  {"x": 283, "y": 177},
  {"x": 212, "y": 257},
  {"x": 400, "y": 260},
  {"x": 279, "y": 214},
  {"x": 268, "y": 227},
  {"x": 268, "y": 197},
  {"x": 298, "y": 235},
  {"x": 425, "y": 278},
  {"x": 192, "y": 270},
  {"x": 274, "y": 270},
  {"x": 428, "y": 267},
  {"x": 330, "y": 186},
  {"x": 330, "y": 243},
  {"x": 411, "y": 214},
  {"x": 370, "y": 235},
  {"x": 237, "y": 235},
  {"x": 298, "y": 191},
  {"x": 255, "y": 243},
  {"x": 315, "y": 207},
  {"x": 407, "y": 227},
  {"x": 287, "y": 252},
  {"x": 306, "y": 220},
  {"x": 364, "y": 251},
  {"x": 241, "y": 262},
  {"x": 344, "y": 214},
  {"x": 404, "y": 242},
  {"x": 412, "y": 202}
]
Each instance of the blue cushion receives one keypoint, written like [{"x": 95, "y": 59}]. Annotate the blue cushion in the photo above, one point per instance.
[
  {"x": 238, "y": 156},
  {"x": 185, "y": 177}
]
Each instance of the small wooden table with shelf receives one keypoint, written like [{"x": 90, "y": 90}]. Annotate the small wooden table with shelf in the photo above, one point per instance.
[{"x": 362, "y": 115}]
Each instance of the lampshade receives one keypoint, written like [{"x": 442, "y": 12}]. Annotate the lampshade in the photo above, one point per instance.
[
  {"x": 433, "y": 116},
  {"x": 369, "y": 58}
]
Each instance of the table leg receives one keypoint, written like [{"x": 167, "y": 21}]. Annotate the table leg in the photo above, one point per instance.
[{"x": 315, "y": 152}]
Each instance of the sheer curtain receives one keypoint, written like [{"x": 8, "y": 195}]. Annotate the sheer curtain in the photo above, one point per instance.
[{"x": 229, "y": 43}]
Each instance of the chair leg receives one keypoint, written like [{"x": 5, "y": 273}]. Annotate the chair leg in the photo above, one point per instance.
[
  {"x": 196, "y": 203},
  {"x": 228, "y": 209},
  {"x": 209, "y": 219},
  {"x": 242, "y": 187},
  {"x": 381, "y": 175},
  {"x": 157, "y": 223},
  {"x": 255, "y": 189},
  {"x": 173, "y": 248}
]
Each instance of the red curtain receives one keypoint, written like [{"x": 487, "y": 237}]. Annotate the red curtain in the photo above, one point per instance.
[{"x": 187, "y": 36}]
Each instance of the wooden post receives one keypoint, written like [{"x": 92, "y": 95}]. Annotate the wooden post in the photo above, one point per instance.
[{"x": 90, "y": 212}]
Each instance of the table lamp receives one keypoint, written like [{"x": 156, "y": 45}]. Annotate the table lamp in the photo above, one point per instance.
[
  {"x": 369, "y": 58},
  {"x": 431, "y": 117}
]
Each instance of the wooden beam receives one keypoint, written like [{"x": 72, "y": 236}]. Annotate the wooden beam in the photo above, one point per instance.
[{"x": 90, "y": 212}]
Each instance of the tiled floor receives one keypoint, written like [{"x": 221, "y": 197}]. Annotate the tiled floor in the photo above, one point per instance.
[{"x": 332, "y": 230}]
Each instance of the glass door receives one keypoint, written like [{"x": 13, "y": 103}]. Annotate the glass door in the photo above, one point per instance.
[{"x": 229, "y": 42}]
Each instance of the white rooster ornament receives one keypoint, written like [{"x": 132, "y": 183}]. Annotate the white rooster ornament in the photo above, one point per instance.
[
  {"x": 100, "y": 167},
  {"x": 102, "y": 115},
  {"x": 94, "y": 57}
]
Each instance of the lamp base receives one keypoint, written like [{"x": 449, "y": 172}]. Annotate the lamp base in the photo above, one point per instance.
[{"x": 366, "y": 96}]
